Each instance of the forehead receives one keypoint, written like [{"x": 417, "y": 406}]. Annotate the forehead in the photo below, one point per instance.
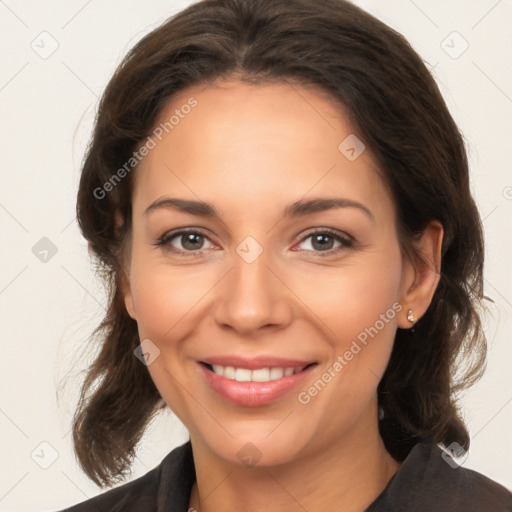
[{"x": 244, "y": 145}]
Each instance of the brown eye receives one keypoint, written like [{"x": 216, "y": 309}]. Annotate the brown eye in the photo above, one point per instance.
[
  {"x": 324, "y": 241},
  {"x": 184, "y": 242},
  {"x": 191, "y": 241}
]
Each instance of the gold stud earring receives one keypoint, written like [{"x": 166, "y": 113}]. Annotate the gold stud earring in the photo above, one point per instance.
[{"x": 410, "y": 316}]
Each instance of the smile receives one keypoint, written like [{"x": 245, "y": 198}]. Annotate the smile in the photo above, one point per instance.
[
  {"x": 258, "y": 375},
  {"x": 251, "y": 387}
]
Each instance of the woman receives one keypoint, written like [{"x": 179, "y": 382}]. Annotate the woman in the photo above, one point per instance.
[{"x": 279, "y": 200}]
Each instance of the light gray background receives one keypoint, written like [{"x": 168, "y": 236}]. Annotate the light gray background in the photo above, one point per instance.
[{"x": 47, "y": 106}]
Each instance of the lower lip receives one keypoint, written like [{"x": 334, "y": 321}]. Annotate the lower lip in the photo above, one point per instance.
[{"x": 253, "y": 394}]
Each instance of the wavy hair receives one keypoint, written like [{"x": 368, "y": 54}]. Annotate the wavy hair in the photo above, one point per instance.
[{"x": 392, "y": 100}]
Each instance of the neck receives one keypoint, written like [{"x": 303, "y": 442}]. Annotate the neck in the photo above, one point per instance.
[{"x": 351, "y": 471}]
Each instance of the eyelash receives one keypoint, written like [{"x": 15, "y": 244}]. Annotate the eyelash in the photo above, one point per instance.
[{"x": 346, "y": 243}]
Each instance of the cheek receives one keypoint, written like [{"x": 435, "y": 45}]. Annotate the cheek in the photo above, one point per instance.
[
  {"x": 164, "y": 297},
  {"x": 358, "y": 306},
  {"x": 164, "y": 300},
  {"x": 353, "y": 297}
]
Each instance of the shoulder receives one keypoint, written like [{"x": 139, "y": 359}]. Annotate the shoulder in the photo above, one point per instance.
[
  {"x": 139, "y": 494},
  {"x": 170, "y": 481},
  {"x": 433, "y": 480}
]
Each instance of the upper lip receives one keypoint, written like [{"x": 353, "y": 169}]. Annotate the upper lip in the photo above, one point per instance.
[{"x": 254, "y": 363}]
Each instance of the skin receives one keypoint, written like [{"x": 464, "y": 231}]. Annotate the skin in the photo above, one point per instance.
[{"x": 251, "y": 151}]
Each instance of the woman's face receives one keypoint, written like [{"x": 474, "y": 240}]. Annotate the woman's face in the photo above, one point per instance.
[{"x": 265, "y": 282}]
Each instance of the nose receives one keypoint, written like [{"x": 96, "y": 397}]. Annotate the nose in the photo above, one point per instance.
[{"x": 252, "y": 296}]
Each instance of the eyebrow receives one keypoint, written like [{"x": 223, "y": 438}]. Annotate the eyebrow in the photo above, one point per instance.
[{"x": 297, "y": 209}]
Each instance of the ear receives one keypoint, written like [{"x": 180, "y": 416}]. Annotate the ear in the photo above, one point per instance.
[
  {"x": 124, "y": 279},
  {"x": 124, "y": 284},
  {"x": 421, "y": 277}
]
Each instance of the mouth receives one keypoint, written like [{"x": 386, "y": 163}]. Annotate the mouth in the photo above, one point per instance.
[
  {"x": 256, "y": 386},
  {"x": 265, "y": 374}
]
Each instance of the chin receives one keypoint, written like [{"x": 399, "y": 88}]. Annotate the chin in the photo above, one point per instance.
[{"x": 259, "y": 449}]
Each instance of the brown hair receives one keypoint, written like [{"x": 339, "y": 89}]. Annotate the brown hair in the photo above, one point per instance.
[{"x": 396, "y": 106}]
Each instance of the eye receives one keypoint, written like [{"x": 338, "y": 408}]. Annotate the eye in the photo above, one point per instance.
[
  {"x": 322, "y": 241},
  {"x": 190, "y": 240}
]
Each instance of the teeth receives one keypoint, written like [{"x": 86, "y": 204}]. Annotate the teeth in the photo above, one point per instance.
[
  {"x": 218, "y": 369},
  {"x": 259, "y": 375},
  {"x": 276, "y": 373},
  {"x": 242, "y": 375},
  {"x": 291, "y": 371}
]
